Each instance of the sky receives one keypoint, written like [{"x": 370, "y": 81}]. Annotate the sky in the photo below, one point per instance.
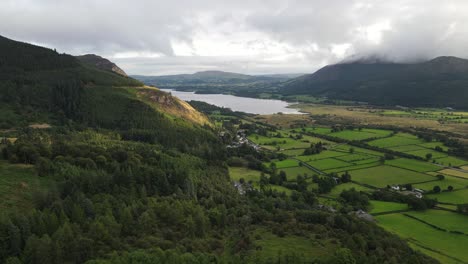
[{"x": 162, "y": 37}]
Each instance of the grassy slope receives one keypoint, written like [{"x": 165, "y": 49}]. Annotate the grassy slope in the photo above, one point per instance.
[{"x": 17, "y": 185}]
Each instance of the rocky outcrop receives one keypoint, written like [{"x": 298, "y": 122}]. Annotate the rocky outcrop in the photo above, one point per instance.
[
  {"x": 171, "y": 105},
  {"x": 101, "y": 63}
]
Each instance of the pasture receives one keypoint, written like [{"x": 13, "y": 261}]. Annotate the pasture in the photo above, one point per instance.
[
  {"x": 455, "y": 182},
  {"x": 443, "y": 245},
  {"x": 400, "y": 139},
  {"x": 453, "y": 197},
  {"x": 322, "y": 155},
  {"x": 384, "y": 175},
  {"x": 236, "y": 173},
  {"x": 449, "y": 221},
  {"x": 330, "y": 163},
  {"x": 292, "y": 172},
  {"x": 456, "y": 173},
  {"x": 451, "y": 161},
  {"x": 280, "y": 164},
  {"x": 411, "y": 164},
  {"x": 353, "y": 167},
  {"x": 382, "y": 206},
  {"x": 362, "y": 134}
]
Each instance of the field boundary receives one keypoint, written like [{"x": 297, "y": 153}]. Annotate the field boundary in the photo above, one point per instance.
[{"x": 435, "y": 226}]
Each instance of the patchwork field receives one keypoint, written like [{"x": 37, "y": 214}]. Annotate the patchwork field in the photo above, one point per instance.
[
  {"x": 381, "y": 207},
  {"x": 360, "y": 134},
  {"x": 414, "y": 165},
  {"x": 456, "y": 173},
  {"x": 384, "y": 175},
  {"x": 367, "y": 168},
  {"x": 447, "y": 220},
  {"x": 453, "y": 197},
  {"x": 330, "y": 163},
  {"x": 400, "y": 139},
  {"x": 451, "y": 161},
  {"x": 455, "y": 182},
  {"x": 444, "y": 246}
]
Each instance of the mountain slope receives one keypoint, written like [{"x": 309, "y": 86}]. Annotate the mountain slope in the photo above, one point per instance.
[
  {"x": 38, "y": 85},
  {"x": 440, "y": 82},
  {"x": 101, "y": 63}
]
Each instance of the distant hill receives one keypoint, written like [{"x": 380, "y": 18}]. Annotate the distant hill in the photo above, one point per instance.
[
  {"x": 215, "y": 82},
  {"x": 440, "y": 82},
  {"x": 101, "y": 63},
  {"x": 208, "y": 78}
]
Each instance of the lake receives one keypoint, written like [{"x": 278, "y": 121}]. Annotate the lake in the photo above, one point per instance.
[{"x": 236, "y": 103}]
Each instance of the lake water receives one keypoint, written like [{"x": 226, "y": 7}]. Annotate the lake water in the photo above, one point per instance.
[{"x": 236, "y": 103}]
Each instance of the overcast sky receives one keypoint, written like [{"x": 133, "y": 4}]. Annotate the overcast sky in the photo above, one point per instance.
[{"x": 271, "y": 36}]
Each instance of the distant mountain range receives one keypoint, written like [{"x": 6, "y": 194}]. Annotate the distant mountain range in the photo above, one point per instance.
[
  {"x": 440, "y": 82},
  {"x": 211, "y": 78}
]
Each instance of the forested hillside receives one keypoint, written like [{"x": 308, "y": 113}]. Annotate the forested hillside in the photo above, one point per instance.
[
  {"x": 441, "y": 82},
  {"x": 118, "y": 178}
]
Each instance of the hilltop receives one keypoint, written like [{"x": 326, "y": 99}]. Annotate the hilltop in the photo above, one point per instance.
[
  {"x": 440, "y": 82},
  {"x": 101, "y": 63}
]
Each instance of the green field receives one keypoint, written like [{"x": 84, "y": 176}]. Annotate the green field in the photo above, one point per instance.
[
  {"x": 447, "y": 220},
  {"x": 384, "y": 175},
  {"x": 381, "y": 206},
  {"x": 453, "y": 197},
  {"x": 412, "y": 164},
  {"x": 354, "y": 167},
  {"x": 432, "y": 145},
  {"x": 292, "y": 152},
  {"x": 400, "y": 139},
  {"x": 329, "y": 163},
  {"x": 280, "y": 164},
  {"x": 292, "y": 172},
  {"x": 336, "y": 191},
  {"x": 442, "y": 245},
  {"x": 322, "y": 155},
  {"x": 456, "y": 183},
  {"x": 407, "y": 148},
  {"x": 422, "y": 153},
  {"x": 236, "y": 173},
  {"x": 18, "y": 184},
  {"x": 451, "y": 161},
  {"x": 346, "y": 148},
  {"x": 274, "y": 142},
  {"x": 355, "y": 157},
  {"x": 360, "y": 134}
]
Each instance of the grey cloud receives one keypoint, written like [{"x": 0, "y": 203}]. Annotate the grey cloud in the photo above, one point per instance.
[{"x": 420, "y": 29}]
